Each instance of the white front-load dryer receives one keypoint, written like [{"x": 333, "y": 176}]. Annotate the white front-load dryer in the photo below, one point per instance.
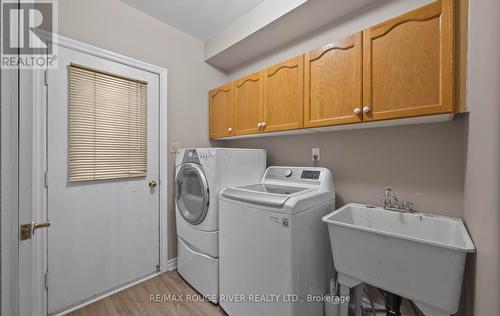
[{"x": 200, "y": 174}]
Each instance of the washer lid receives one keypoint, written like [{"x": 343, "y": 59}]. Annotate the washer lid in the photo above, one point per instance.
[
  {"x": 273, "y": 188},
  {"x": 263, "y": 194}
]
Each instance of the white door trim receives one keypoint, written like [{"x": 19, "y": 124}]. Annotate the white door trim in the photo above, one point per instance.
[
  {"x": 39, "y": 159},
  {"x": 9, "y": 189}
]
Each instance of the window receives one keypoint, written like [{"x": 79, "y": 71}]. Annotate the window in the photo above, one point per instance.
[{"x": 107, "y": 125}]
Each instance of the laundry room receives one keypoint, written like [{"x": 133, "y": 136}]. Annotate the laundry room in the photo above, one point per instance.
[{"x": 250, "y": 157}]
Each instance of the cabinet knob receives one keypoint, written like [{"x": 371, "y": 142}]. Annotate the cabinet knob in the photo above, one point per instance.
[
  {"x": 357, "y": 110},
  {"x": 229, "y": 129},
  {"x": 366, "y": 109},
  {"x": 259, "y": 125},
  {"x": 263, "y": 124}
]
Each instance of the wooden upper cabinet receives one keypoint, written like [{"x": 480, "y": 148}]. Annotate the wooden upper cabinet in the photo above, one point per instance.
[
  {"x": 408, "y": 64},
  {"x": 248, "y": 98},
  {"x": 333, "y": 83},
  {"x": 284, "y": 95},
  {"x": 221, "y": 112}
]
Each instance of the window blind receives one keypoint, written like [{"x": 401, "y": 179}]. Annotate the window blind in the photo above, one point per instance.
[{"x": 107, "y": 125}]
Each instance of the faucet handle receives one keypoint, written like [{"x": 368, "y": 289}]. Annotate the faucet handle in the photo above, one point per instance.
[
  {"x": 407, "y": 206},
  {"x": 386, "y": 202}
]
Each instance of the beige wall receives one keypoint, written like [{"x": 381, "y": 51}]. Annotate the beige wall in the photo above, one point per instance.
[
  {"x": 113, "y": 25},
  {"x": 422, "y": 163},
  {"x": 482, "y": 185}
]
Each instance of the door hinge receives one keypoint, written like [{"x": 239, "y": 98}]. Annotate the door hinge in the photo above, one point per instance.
[
  {"x": 46, "y": 279},
  {"x": 158, "y": 268},
  {"x": 46, "y": 77},
  {"x": 46, "y": 179}
]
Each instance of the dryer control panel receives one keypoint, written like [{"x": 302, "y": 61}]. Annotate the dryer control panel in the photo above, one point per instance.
[{"x": 191, "y": 155}]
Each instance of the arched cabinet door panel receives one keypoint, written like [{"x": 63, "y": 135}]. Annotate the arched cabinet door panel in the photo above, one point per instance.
[
  {"x": 408, "y": 64},
  {"x": 333, "y": 83},
  {"x": 248, "y": 95},
  {"x": 284, "y": 95},
  {"x": 221, "y": 116}
]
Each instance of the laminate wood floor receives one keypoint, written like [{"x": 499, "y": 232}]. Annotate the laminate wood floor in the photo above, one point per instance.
[{"x": 136, "y": 300}]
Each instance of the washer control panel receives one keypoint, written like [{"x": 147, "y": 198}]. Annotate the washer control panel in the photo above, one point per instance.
[
  {"x": 310, "y": 174},
  {"x": 293, "y": 174}
]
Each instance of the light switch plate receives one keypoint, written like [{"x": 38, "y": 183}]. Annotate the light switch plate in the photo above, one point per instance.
[
  {"x": 174, "y": 147},
  {"x": 316, "y": 152}
]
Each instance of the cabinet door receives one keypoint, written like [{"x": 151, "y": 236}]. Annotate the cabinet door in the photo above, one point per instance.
[
  {"x": 284, "y": 95},
  {"x": 221, "y": 112},
  {"x": 333, "y": 78},
  {"x": 248, "y": 97},
  {"x": 408, "y": 64}
]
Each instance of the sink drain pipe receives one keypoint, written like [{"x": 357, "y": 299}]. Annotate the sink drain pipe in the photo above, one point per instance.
[{"x": 392, "y": 304}]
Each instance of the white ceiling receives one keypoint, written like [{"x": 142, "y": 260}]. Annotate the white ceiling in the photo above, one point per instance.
[{"x": 200, "y": 18}]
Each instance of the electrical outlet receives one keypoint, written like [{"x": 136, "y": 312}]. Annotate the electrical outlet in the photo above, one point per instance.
[
  {"x": 174, "y": 147},
  {"x": 316, "y": 153}
]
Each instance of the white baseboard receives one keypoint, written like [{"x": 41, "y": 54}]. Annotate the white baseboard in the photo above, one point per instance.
[
  {"x": 172, "y": 264},
  {"x": 104, "y": 295}
]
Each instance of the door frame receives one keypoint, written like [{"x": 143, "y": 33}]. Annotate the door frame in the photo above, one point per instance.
[
  {"x": 163, "y": 145},
  {"x": 9, "y": 188},
  {"x": 38, "y": 158}
]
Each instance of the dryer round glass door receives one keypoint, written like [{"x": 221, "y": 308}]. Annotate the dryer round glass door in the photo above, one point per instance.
[{"x": 192, "y": 195}]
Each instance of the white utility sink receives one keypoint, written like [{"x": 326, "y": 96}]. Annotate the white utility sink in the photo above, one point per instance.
[{"x": 419, "y": 256}]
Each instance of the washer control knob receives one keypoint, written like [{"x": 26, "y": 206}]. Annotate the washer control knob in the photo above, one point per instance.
[{"x": 288, "y": 173}]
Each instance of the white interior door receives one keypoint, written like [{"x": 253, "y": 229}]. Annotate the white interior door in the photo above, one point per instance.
[{"x": 104, "y": 234}]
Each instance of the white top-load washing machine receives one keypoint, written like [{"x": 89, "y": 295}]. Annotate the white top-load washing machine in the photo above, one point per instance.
[
  {"x": 199, "y": 175},
  {"x": 274, "y": 248}
]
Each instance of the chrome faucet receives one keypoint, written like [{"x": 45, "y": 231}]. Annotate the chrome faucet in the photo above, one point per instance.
[
  {"x": 391, "y": 202},
  {"x": 390, "y": 199}
]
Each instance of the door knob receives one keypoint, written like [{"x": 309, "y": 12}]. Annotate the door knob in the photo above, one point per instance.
[
  {"x": 357, "y": 110},
  {"x": 263, "y": 124},
  {"x": 152, "y": 184},
  {"x": 366, "y": 109},
  {"x": 35, "y": 226},
  {"x": 259, "y": 125},
  {"x": 230, "y": 130}
]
